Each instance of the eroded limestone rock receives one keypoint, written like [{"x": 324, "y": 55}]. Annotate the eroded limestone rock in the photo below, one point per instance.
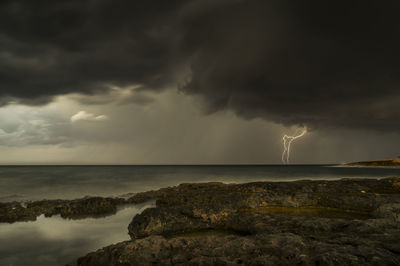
[{"x": 344, "y": 222}]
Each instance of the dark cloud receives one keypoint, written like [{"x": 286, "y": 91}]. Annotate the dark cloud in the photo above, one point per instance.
[
  {"x": 49, "y": 48},
  {"x": 315, "y": 63}
]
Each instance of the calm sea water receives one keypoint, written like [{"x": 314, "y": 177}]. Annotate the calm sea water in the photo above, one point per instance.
[
  {"x": 56, "y": 241},
  {"x": 66, "y": 182}
]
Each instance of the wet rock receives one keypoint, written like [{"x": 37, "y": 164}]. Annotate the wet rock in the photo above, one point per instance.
[
  {"x": 344, "y": 222},
  {"x": 74, "y": 209},
  {"x": 93, "y": 206},
  {"x": 14, "y": 211},
  {"x": 142, "y": 197},
  {"x": 390, "y": 211},
  {"x": 260, "y": 249}
]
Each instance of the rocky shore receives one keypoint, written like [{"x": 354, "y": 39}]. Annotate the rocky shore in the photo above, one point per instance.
[
  {"x": 344, "y": 222},
  {"x": 378, "y": 163},
  {"x": 11, "y": 212}
]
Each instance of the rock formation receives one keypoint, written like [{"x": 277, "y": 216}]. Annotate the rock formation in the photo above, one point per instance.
[{"x": 344, "y": 222}]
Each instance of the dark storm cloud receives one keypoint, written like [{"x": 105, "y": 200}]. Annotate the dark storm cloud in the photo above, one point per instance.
[
  {"x": 49, "y": 48},
  {"x": 314, "y": 63}
]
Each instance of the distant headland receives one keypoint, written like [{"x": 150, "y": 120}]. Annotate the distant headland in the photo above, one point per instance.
[{"x": 378, "y": 163}]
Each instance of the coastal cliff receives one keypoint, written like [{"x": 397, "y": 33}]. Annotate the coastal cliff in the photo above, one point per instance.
[
  {"x": 378, "y": 163},
  {"x": 344, "y": 222}
]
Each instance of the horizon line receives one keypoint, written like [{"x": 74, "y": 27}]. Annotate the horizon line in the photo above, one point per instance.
[{"x": 200, "y": 164}]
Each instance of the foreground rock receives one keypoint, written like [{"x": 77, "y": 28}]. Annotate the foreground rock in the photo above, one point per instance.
[{"x": 345, "y": 222}]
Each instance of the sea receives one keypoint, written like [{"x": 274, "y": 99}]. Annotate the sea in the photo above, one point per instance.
[{"x": 58, "y": 241}]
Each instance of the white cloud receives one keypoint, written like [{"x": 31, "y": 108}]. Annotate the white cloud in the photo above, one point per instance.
[{"x": 85, "y": 116}]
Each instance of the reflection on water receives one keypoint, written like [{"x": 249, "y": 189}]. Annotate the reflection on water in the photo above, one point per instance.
[{"x": 57, "y": 241}]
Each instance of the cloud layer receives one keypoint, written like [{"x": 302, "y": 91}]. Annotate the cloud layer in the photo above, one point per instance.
[{"x": 319, "y": 64}]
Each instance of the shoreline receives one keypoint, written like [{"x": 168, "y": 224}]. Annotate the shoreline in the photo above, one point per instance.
[
  {"x": 98, "y": 206},
  {"x": 392, "y": 163},
  {"x": 305, "y": 222}
]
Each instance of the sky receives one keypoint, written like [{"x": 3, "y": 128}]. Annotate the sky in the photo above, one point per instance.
[{"x": 198, "y": 81}]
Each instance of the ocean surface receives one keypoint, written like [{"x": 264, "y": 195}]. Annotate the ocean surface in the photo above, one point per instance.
[
  {"x": 57, "y": 241},
  {"x": 21, "y": 183}
]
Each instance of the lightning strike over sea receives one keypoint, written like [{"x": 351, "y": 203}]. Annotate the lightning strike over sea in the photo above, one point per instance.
[{"x": 287, "y": 141}]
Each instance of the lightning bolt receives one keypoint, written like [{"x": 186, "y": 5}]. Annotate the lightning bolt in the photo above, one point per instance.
[{"x": 287, "y": 140}]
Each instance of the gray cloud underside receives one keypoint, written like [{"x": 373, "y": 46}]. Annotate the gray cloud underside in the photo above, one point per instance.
[{"x": 321, "y": 64}]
